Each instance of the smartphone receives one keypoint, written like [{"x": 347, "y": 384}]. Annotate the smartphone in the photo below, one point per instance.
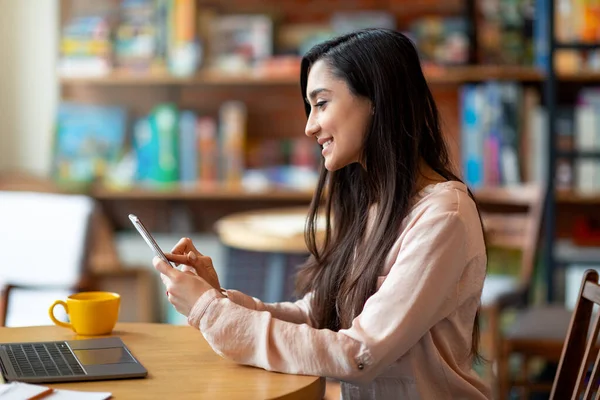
[{"x": 148, "y": 238}]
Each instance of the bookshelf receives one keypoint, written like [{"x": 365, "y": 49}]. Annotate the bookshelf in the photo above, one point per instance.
[
  {"x": 435, "y": 75},
  {"x": 273, "y": 100},
  {"x": 575, "y": 203}
]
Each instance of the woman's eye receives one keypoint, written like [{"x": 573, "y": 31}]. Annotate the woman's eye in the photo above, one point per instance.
[{"x": 320, "y": 104}]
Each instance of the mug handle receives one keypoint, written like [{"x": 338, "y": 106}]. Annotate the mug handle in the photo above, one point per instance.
[{"x": 53, "y": 318}]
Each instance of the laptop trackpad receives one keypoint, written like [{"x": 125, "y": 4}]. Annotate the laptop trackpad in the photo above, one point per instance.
[{"x": 111, "y": 355}]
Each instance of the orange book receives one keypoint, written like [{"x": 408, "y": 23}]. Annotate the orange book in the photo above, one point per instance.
[{"x": 185, "y": 17}]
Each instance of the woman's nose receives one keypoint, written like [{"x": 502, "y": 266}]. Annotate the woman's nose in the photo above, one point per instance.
[{"x": 312, "y": 128}]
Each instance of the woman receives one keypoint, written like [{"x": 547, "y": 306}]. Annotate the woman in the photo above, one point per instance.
[{"x": 391, "y": 295}]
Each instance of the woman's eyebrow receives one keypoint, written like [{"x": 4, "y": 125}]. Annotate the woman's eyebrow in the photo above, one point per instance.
[{"x": 315, "y": 92}]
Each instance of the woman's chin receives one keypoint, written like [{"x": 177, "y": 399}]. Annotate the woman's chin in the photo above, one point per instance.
[{"x": 331, "y": 165}]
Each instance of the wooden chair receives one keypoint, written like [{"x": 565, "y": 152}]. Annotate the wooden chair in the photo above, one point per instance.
[
  {"x": 580, "y": 351},
  {"x": 45, "y": 247},
  {"x": 512, "y": 218},
  {"x": 100, "y": 267},
  {"x": 536, "y": 332}
]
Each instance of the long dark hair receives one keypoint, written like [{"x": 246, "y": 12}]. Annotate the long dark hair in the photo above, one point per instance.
[{"x": 382, "y": 66}]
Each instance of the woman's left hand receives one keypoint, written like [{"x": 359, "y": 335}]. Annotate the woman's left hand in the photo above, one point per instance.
[{"x": 183, "y": 288}]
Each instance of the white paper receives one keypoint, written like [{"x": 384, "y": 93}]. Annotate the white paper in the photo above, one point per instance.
[
  {"x": 61, "y": 394},
  {"x": 21, "y": 391}
]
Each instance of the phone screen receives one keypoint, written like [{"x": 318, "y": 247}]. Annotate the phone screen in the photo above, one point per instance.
[{"x": 148, "y": 238}]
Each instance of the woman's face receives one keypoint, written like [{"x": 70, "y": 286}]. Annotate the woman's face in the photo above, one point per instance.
[{"x": 338, "y": 119}]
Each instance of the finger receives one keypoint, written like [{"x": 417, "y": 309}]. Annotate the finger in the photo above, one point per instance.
[
  {"x": 177, "y": 258},
  {"x": 192, "y": 257},
  {"x": 165, "y": 280},
  {"x": 206, "y": 262},
  {"x": 164, "y": 268},
  {"x": 183, "y": 246}
]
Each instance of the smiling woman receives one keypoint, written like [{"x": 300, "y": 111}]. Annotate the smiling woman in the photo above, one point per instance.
[
  {"x": 390, "y": 294},
  {"x": 339, "y": 119}
]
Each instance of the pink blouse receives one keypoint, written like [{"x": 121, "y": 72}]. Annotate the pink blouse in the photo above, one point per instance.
[{"x": 413, "y": 337}]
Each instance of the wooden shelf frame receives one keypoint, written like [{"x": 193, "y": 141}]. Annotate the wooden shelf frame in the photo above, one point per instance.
[
  {"x": 221, "y": 192},
  {"x": 197, "y": 192},
  {"x": 435, "y": 75}
]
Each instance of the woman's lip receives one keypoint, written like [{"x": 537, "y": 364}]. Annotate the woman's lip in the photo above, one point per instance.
[
  {"x": 326, "y": 150},
  {"x": 324, "y": 140}
]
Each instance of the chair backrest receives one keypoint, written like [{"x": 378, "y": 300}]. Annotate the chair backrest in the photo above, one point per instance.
[
  {"x": 580, "y": 351},
  {"x": 29, "y": 306},
  {"x": 512, "y": 218},
  {"x": 44, "y": 240}
]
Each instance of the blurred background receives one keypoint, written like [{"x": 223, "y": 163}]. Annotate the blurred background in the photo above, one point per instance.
[{"x": 188, "y": 113}]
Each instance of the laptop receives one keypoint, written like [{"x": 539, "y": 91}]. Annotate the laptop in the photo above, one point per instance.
[{"x": 69, "y": 361}]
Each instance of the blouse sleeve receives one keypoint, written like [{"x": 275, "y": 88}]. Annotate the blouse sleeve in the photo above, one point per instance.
[
  {"x": 298, "y": 312},
  {"x": 420, "y": 290}
]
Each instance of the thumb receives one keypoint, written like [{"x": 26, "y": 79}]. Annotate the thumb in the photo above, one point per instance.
[
  {"x": 163, "y": 267},
  {"x": 192, "y": 256},
  {"x": 187, "y": 268}
]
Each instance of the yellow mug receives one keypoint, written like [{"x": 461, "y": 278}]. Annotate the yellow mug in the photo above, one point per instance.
[{"x": 90, "y": 313}]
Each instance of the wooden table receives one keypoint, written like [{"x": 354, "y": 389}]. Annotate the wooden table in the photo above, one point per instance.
[
  {"x": 181, "y": 365},
  {"x": 277, "y": 230}
]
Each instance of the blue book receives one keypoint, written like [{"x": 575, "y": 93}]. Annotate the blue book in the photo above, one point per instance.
[
  {"x": 87, "y": 139},
  {"x": 188, "y": 147},
  {"x": 472, "y": 103}
]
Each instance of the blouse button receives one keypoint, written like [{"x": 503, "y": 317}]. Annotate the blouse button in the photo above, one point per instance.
[{"x": 361, "y": 366}]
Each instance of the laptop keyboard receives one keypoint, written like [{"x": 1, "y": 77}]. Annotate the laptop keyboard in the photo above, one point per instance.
[{"x": 43, "y": 359}]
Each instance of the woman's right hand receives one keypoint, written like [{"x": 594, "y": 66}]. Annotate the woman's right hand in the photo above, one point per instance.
[{"x": 186, "y": 253}]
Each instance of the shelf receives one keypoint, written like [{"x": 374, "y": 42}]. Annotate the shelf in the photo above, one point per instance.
[
  {"x": 579, "y": 154},
  {"x": 571, "y": 197},
  {"x": 579, "y": 76},
  {"x": 577, "y": 261},
  {"x": 566, "y": 252},
  {"x": 196, "y": 192},
  {"x": 124, "y": 79},
  {"x": 435, "y": 75},
  {"x": 479, "y": 73},
  {"x": 505, "y": 196},
  {"x": 576, "y": 46},
  {"x": 516, "y": 196}
]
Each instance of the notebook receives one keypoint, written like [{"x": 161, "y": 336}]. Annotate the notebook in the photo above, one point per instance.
[{"x": 28, "y": 391}]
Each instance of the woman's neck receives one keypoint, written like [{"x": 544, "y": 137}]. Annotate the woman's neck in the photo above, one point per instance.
[{"x": 427, "y": 176}]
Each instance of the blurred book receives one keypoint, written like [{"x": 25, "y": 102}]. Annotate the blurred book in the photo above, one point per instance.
[
  {"x": 136, "y": 37},
  {"x": 86, "y": 47},
  {"x": 441, "y": 40},
  {"x": 87, "y": 139},
  {"x": 156, "y": 147},
  {"x": 239, "y": 42},
  {"x": 233, "y": 119},
  {"x": 345, "y": 22},
  {"x": 188, "y": 147},
  {"x": 493, "y": 123},
  {"x": 505, "y": 31}
]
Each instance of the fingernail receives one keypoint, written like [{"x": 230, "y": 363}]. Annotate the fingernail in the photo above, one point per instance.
[{"x": 192, "y": 256}]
